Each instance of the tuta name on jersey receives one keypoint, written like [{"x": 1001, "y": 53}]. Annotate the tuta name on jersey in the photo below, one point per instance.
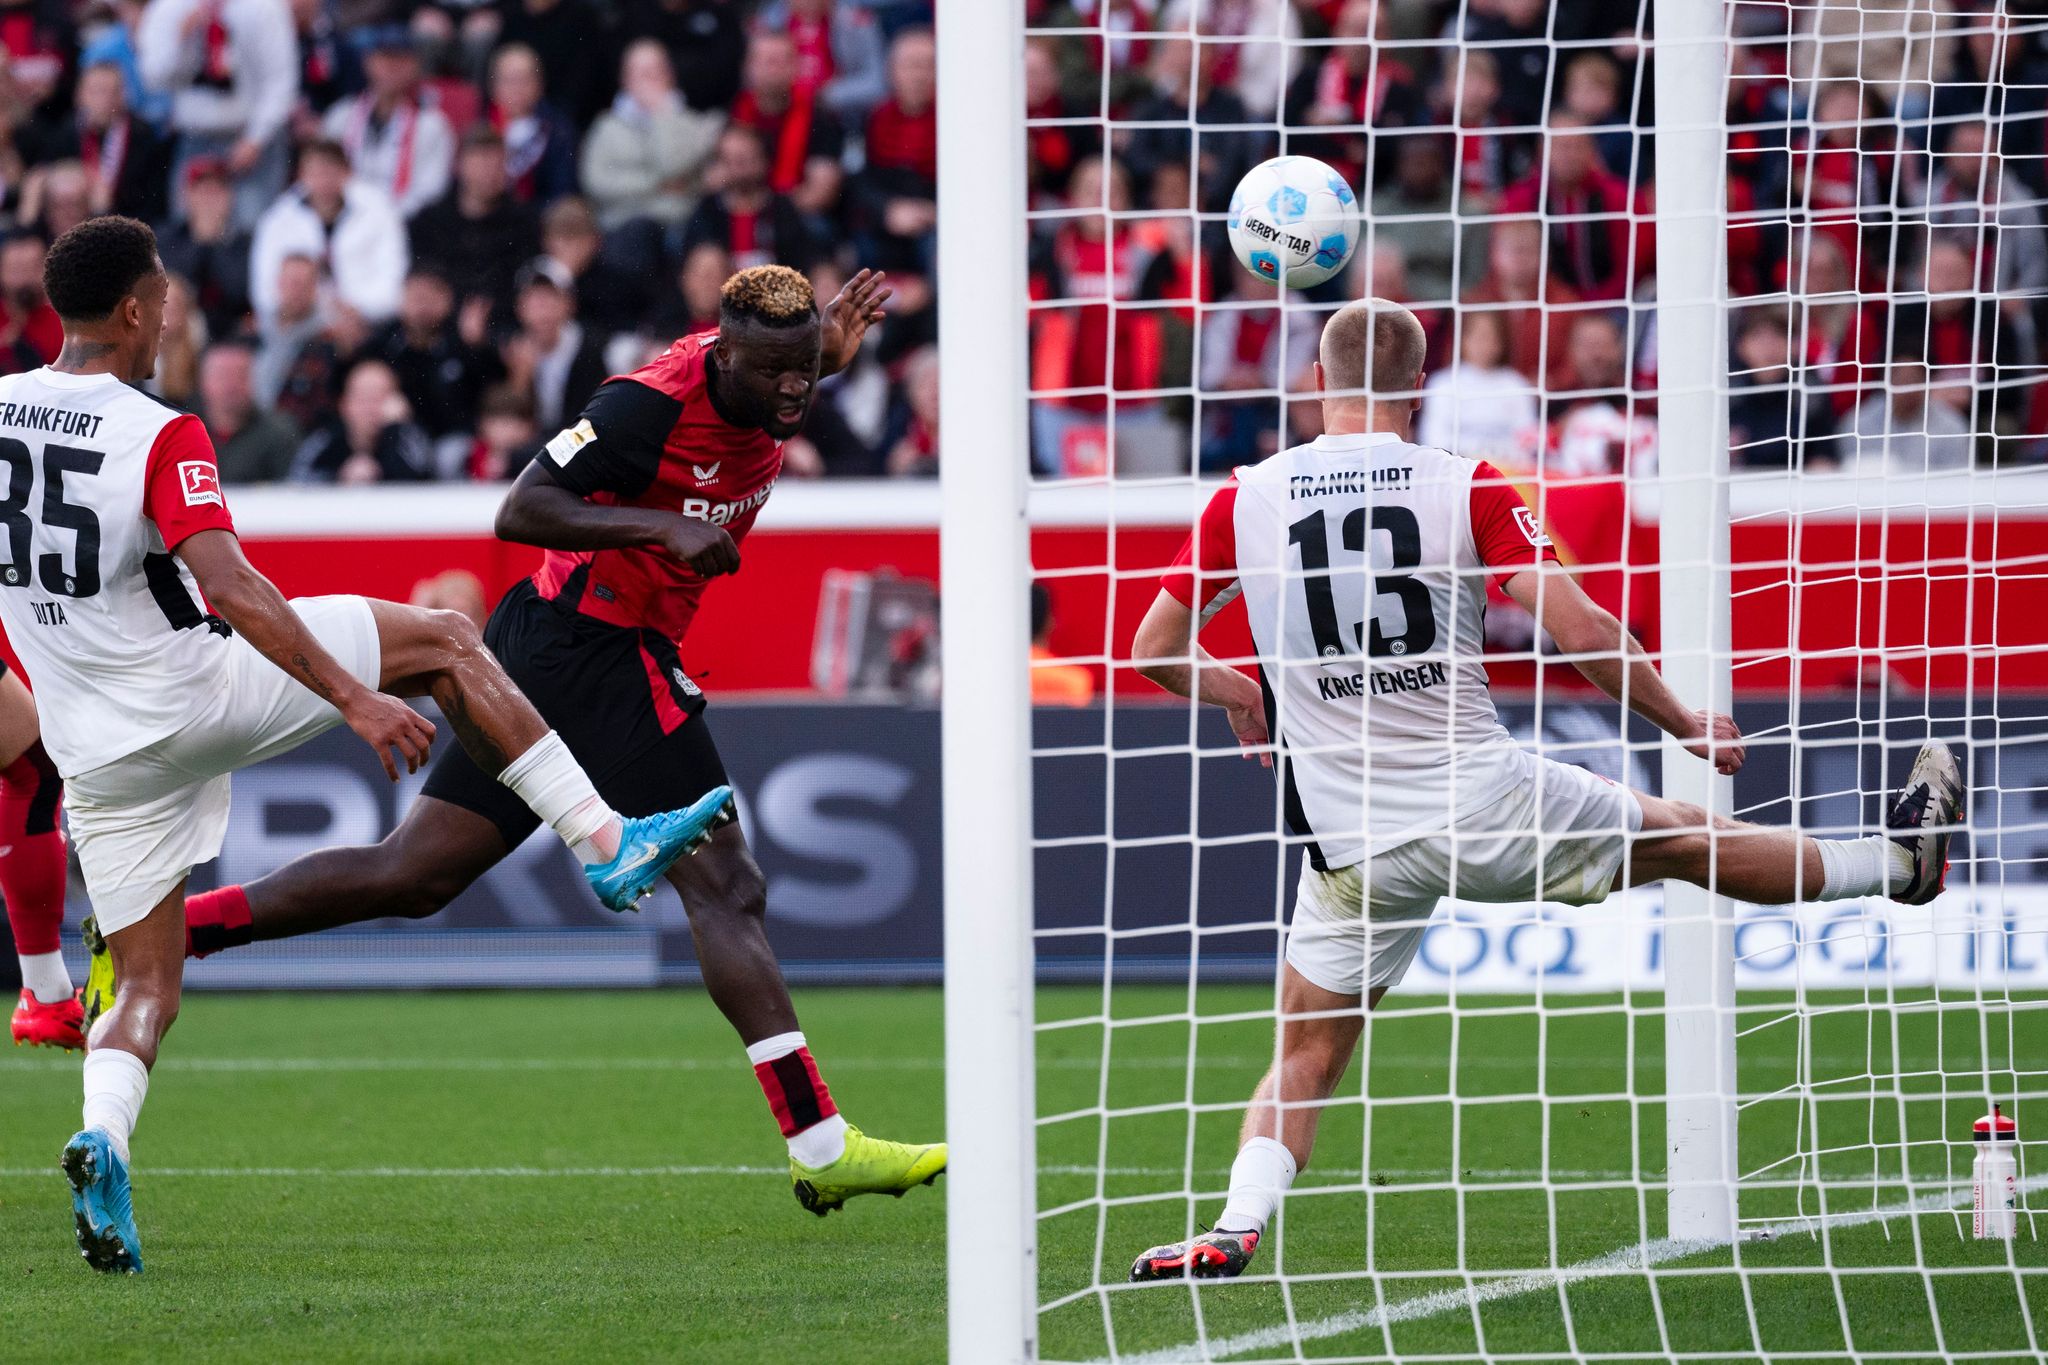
[
  {"x": 59, "y": 421},
  {"x": 1411, "y": 679}
]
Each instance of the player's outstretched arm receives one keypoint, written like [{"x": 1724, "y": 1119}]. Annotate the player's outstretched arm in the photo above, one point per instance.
[
  {"x": 1599, "y": 646},
  {"x": 539, "y": 511},
  {"x": 1167, "y": 653},
  {"x": 259, "y": 613}
]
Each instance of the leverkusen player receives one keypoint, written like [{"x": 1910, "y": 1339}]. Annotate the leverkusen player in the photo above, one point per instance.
[{"x": 639, "y": 505}]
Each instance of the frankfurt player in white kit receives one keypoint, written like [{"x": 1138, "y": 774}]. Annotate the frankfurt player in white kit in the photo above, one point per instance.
[
  {"x": 163, "y": 662},
  {"x": 1364, "y": 562}
]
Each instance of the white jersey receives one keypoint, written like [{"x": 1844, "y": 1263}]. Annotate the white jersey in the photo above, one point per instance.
[
  {"x": 1363, "y": 561},
  {"x": 102, "y": 482}
]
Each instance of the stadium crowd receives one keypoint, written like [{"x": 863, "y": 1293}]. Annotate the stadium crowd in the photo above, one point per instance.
[
  {"x": 408, "y": 239},
  {"x": 1885, "y": 182}
]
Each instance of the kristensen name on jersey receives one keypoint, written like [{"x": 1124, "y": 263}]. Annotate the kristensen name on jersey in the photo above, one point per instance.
[{"x": 1379, "y": 683}]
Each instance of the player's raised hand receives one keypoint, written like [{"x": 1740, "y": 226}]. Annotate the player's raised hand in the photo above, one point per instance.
[
  {"x": 1248, "y": 723},
  {"x": 385, "y": 724},
  {"x": 855, "y": 308},
  {"x": 707, "y": 549},
  {"x": 1727, "y": 751}
]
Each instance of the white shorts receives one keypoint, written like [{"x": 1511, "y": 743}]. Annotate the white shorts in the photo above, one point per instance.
[
  {"x": 143, "y": 822},
  {"x": 1558, "y": 836}
]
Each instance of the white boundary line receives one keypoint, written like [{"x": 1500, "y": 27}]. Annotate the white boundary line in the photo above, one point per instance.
[{"x": 1434, "y": 1304}]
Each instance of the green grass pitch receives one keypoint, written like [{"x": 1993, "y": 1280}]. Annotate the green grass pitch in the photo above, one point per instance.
[{"x": 595, "y": 1176}]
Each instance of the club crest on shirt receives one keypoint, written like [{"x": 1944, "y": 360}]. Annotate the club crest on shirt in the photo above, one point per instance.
[
  {"x": 201, "y": 482},
  {"x": 1533, "y": 533}
]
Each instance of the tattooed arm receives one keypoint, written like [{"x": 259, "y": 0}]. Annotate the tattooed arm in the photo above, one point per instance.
[{"x": 251, "y": 603}]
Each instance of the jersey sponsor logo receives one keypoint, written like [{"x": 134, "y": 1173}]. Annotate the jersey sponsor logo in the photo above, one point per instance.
[
  {"x": 706, "y": 475},
  {"x": 1378, "y": 684},
  {"x": 725, "y": 513},
  {"x": 569, "y": 442},
  {"x": 1533, "y": 533},
  {"x": 201, "y": 482}
]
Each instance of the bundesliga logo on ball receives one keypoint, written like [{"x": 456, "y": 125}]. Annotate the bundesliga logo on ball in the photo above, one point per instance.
[{"x": 1293, "y": 217}]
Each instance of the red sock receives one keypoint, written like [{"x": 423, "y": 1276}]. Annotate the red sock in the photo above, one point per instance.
[
  {"x": 215, "y": 920},
  {"x": 32, "y": 862},
  {"x": 795, "y": 1091}
]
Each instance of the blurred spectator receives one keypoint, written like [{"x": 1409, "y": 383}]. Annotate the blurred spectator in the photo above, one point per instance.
[
  {"x": 30, "y": 333},
  {"x": 706, "y": 44},
  {"x": 551, "y": 356},
  {"x": 1479, "y": 406},
  {"x": 1049, "y": 153},
  {"x": 1538, "y": 314},
  {"x": 1968, "y": 345},
  {"x": 351, "y": 228},
  {"x": 1053, "y": 683},
  {"x": 506, "y": 439},
  {"x": 441, "y": 374},
  {"x": 1242, "y": 354},
  {"x": 1838, "y": 335},
  {"x": 232, "y": 67},
  {"x": 839, "y": 52},
  {"x": 753, "y": 223},
  {"x": 1489, "y": 160},
  {"x": 897, "y": 192},
  {"x": 1602, "y": 429},
  {"x": 207, "y": 248},
  {"x": 108, "y": 35},
  {"x": 395, "y": 140},
  {"x": 540, "y": 144},
  {"x": 1846, "y": 171},
  {"x": 1587, "y": 209},
  {"x": 176, "y": 380},
  {"x": 1909, "y": 428},
  {"x": 565, "y": 35},
  {"x": 370, "y": 438},
  {"x": 329, "y": 65},
  {"x": 644, "y": 157},
  {"x": 1355, "y": 85},
  {"x": 1971, "y": 188},
  {"x": 251, "y": 443},
  {"x": 1257, "y": 70},
  {"x": 916, "y": 452},
  {"x": 298, "y": 354},
  {"x": 608, "y": 299},
  {"x": 1184, "y": 87},
  {"x": 1517, "y": 33},
  {"x": 126, "y": 161},
  {"x": 1773, "y": 422},
  {"x": 1415, "y": 213},
  {"x": 453, "y": 590},
  {"x": 806, "y": 142},
  {"x": 54, "y": 199},
  {"x": 479, "y": 235},
  {"x": 41, "y": 46},
  {"x": 693, "y": 305},
  {"x": 1593, "y": 94}
]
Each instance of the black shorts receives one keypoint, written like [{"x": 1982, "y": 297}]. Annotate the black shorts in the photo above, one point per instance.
[{"x": 618, "y": 698}]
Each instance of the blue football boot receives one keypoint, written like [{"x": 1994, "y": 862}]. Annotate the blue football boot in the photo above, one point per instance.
[
  {"x": 650, "y": 845},
  {"x": 101, "y": 1204}
]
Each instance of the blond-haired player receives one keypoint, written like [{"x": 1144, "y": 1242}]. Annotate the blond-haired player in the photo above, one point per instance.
[{"x": 1364, "y": 560}]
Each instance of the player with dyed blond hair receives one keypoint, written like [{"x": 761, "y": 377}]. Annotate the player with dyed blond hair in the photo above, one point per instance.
[
  {"x": 640, "y": 504},
  {"x": 1364, "y": 561}
]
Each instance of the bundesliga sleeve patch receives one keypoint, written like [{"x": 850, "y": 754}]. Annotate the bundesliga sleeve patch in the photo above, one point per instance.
[
  {"x": 201, "y": 483},
  {"x": 1533, "y": 533},
  {"x": 567, "y": 442}
]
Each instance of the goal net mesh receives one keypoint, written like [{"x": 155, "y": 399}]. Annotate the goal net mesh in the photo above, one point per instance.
[{"x": 1490, "y": 1180}]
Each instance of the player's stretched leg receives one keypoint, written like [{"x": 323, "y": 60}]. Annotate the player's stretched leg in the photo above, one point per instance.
[
  {"x": 149, "y": 956},
  {"x": 32, "y": 866},
  {"x": 830, "y": 1160},
  {"x": 1772, "y": 866}
]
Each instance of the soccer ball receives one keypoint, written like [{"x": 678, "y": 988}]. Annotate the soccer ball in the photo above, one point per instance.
[{"x": 1293, "y": 218}]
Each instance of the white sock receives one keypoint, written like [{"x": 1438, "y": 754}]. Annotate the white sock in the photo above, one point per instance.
[
  {"x": 115, "y": 1083},
  {"x": 824, "y": 1142},
  {"x": 46, "y": 977},
  {"x": 554, "y": 786},
  {"x": 1261, "y": 1174},
  {"x": 1872, "y": 866}
]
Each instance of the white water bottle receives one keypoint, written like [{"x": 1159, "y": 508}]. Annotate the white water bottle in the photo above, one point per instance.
[{"x": 1995, "y": 1177}]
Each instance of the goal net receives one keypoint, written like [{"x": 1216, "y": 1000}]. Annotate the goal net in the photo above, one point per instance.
[{"x": 1749, "y": 301}]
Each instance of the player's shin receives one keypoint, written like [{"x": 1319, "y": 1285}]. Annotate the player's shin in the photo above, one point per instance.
[
  {"x": 115, "y": 1084},
  {"x": 1873, "y": 866},
  {"x": 798, "y": 1096},
  {"x": 554, "y": 787},
  {"x": 32, "y": 867},
  {"x": 1262, "y": 1173}
]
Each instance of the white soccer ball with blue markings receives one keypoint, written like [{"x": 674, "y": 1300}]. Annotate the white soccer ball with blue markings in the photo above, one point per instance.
[{"x": 1293, "y": 219}]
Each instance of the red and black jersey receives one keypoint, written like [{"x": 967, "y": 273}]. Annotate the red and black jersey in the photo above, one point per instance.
[{"x": 655, "y": 438}]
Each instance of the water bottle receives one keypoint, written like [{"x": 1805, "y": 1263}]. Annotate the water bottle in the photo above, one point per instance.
[{"x": 1994, "y": 1176}]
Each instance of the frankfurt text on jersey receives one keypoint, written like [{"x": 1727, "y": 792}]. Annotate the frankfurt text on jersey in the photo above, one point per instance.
[{"x": 60, "y": 421}]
